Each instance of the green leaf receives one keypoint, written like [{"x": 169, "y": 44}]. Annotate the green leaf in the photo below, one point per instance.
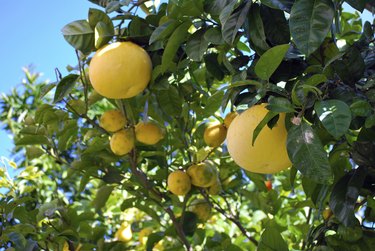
[
  {"x": 153, "y": 239},
  {"x": 101, "y": 197},
  {"x": 234, "y": 22},
  {"x": 213, "y": 66},
  {"x": 351, "y": 66},
  {"x": 310, "y": 21},
  {"x": 64, "y": 87},
  {"x": 361, "y": 108},
  {"x": 174, "y": 42},
  {"x": 18, "y": 240},
  {"x": 214, "y": 103},
  {"x": 284, "y": 5},
  {"x": 255, "y": 30},
  {"x": 80, "y": 35},
  {"x": 214, "y": 36},
  {"x": 307, "y": 154},
  {"x": 276, "y": 26},
  {"x": 189, "y": 224},
  {"x": 226, "y": 11},
  {"x": 316, "y": 79},
  {"x": 103, "y": 34},
  {"x": 269, "y": 116},
  {"x": 32, "y": 140},
  {"x": 164, "y": 30},
  {"x": 170, "y": 101},
  {"x": 335, "y": 116},
  {"x": 96, "y": 16},
  {"x": 344, "y": 196},
  {"x": 271, "y": 240},
  {"x": 270, "y": 60},
  {"x": 197, "y": 45},
  {"x": 278, "y": 104},
  {"x": 357, "y": 4}
]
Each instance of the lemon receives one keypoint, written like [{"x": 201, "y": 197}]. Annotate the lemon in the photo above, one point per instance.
[
  {"x": 202, "y": 174},
  {"x": 112, "y": 120},
  {"x": 120, "y": 70},
  {"x": 268, "y": 154},
  {"x": 143, "y": 234},
  {"x": 229, "y": 118},
  {"x": 201, "y": 208},
  {"x": 148, "y": 133},
  {"x": 179, "y": 183},
  {"x": 124, "y": 233},
  {"x": 122, "y": 142},
  {"x": 327, "y": 213},
  {"x": 66, "y": 246},
  {"x": 214, "y": 134}
]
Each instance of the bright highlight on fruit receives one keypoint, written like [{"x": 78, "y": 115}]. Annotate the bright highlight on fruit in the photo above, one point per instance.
[
  {"x": 179, "y": 183},
  {"x": 122, "y": 142},
  {"x": 203, "y": 174},
  {"x": 268, "y": 154},
  {"x": 120, "y": 70},
  {"x": 214, "y": 135},
  {"x": 124, "y": 233},
  {"x": 148, "y": 133},
  {"x": 112, "y": 121}
]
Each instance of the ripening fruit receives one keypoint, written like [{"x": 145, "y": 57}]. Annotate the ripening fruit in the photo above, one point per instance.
[
  {"x": 203, "y": 174},
  {"x": 215, "y": 188},
  {"x": 268, "y": 154},
  {"x": 179, "y": 182},
  {"x": 124, "y": 233},
  {"x": 268, "y": 184},
  {"x": 66, "y": 246},
  {"x": 327, "y": 213},
  {"x": 214, "y": 134},
  {"x": 120, "y": 70},
  {"x": 201, "y": 208},
  {"x": 229, "y": 118},
  {"x": 122, "y": 142},
  {"x": 143, "y": 234},
  {"x": 148, "y": 133},
  {"x": 112, "y": 120}
]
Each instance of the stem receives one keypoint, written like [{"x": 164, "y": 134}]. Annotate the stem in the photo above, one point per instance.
[{"x": 307, "y": 220}]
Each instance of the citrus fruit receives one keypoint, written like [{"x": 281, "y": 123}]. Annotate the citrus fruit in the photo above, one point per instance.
[
  {"x": 268, "y": 184},
  {"x": 229, "y": 118},
  {"x": 201, "y": 208},
  {"x": 179, "y": 182},
  {"x": 327, "y": 213},
  {"x": 268, "y": 154},
  {"x": 66, "y": 246},
  {"x": 122, "y": 142},
  {"x": 203, "y": 174},
  {"x": 215, "y": 188},
  {"x": 143, "y": 234},
  {"x": 124, "y": 233},
  {"x": 112, "y": 120},
  {"x": 120, "y": 70},
  {"x": 148, "y": 133},
  {"x": 214, "y": 134}
]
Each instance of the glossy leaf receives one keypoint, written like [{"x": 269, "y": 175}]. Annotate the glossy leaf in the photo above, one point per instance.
[
  {"x": 350, "y": 67},
  {"x": 163, "y": 31},
  {"x": 271, "y": 239},
  {"x": 310, "y": 21},
  {"x": 103, "y": 34},
  {"x": 234, "y": 22},
  {"x": 270, "y": 60},
  {"x": 278, "y": 104},
  {"x": 276, "y": 26},
  {"x": 80, "y": 35},
  {"x": 255, "y": 30},
  {"x": 284, "y": 5},
  {"x": 64, "y": 87},
  {"x": 357, "y": 4},
  {"x": 270, "y": 115},
  {"x": 96, "y": 16},
  {"x": 197, "y": 45}
]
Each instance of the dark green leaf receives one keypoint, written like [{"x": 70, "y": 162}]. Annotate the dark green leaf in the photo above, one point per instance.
[
  {"x": 278, "y": 104},
  {"x": 163, "y": 31},
  {"x": 335, "y": 116},
  {"x": 153, "y": 239},
  {"x": 271, "y": 240},
  {"x": 196, "y": 45},
  {"x": 357, "y": 4},
  {"x": 18, "y": 240},
  {"x": 276, "y": 27},
  {"x": 361, "y": 108},
  {"x": 65, "y": 86},
  {"x": 32, "y": 140},
  {"x": 310, "y": 21},
  {"x": 170, "y": 101},
  {"x": 214, "y": 103},
  {"x": 270, "y": 60},
  {"x": 189, "y": 224},
  {"x": 307, "y": 154},
  {"x": 284, "y": 5},
  {"x": 96, "y": 16},
  {"x": 213, "y": 66},
  {"x": 316, "y": 79},
  {"x": 213, "y": 35},
  {"x": 101, "y": 197},
  {"x": 350, "y": 67},
  {"x": 226, "y": 12},
  {"x": 103, "y": 34},
  {"x": 80, "y": 35},
  {"x": 270, "y": 115}
]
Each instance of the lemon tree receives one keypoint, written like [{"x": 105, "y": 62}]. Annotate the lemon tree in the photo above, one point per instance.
[{"x": 120, "y": 153}]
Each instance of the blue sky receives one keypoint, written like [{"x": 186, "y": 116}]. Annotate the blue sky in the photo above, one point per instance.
[{"x": 31, "y": 34}]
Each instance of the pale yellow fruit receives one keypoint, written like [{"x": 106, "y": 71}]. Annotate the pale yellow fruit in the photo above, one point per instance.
[
  {"x": 112, "y": 120},
  {"x": 122, "y": 142},
  {"x": 214, "y": 134},
  {"x": 120, "y": 70},
  {"x": 201, "y": 208},
  {"x": 203, "y": 174},
  {"x": 148, "y": 133},
  {"x": 66, "y": 246},
  {"x": 124, "y": 233},
  {"x": 229, "y": 118},
  {"x": 269, "y": 154},
  {"x": 179, "y": 182},
  {"x": 143, "y": 234}
]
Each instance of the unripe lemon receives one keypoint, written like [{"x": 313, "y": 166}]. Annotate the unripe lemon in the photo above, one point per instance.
[
  {"x": 143, "y": 234},
  {"x": 268, "y": 154},
  {"x": 124, "y": 234},
  {"x": 202, "y": 174},
  {"x": 201, "y": 208},
  {"x": 179, "y": 182},
  {"x": 214, "y": 135},
  {"x": 122, "y": 142},
  {"x": 229, "y": 118},
  {"x": 148, "y": 133},
  {"x": 120, "y": 70},
  {"x": 112, "y": 120}
]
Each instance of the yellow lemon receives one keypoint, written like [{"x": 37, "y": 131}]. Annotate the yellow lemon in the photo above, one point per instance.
[
  {"x": 66, "y": 246},
  {"x": 268, "y": 154},
  {"x": 124, "y": 233},
  {"x": 229, "y": 118},
  {"x": 214, "y": 135},
  {"x": 148, "y": 133},
  {"x": 122, "y": 142},
  {"x": 120, "y": 70},
  {"x": 203, "y": 174},
  {"x": 143, "y": 234},
  {"x": 112, "y": 120},
  {"x": 201, "y": 208},
  {"x": 179, "y": 183}
]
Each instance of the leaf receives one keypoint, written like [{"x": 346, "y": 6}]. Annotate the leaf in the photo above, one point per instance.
[
  {"x": 153, "y": 239},
  {"x": 103, "y": 34},
  {"x": 361, "y": 108},
  {"x": 32, "y": 140},
  {"x": 271, "y": 239},
  {"x": 316, "y": 79},
  {"x": 197, "y": 45},
  {"x": 255, "y": 30},
  {"x": 163, "y": 31},
  {"x": 64, "y": 87},
  {"x": 335, "y": 116},
  {"x": 307, "y": 154},
  {"x": 310, "y": 21},
  {"x": 357, "y": 4},
  {"x": 170, "y": 101},
  {"x": 174, "y": 42},
  {"x": 80, "y": 35},
  {"x": 226, "y": 12},
  {"x": 278, "y": 104},
  {"x": 351, "y": 66},
  {"x": 214, "y": 36},
  {"x": 214, "y": 103},
  {"x": 189, "y": 224},
  {"x": 344, "y": 196},
  {"x": 284, "y": 5},
  {"x": 270, "y": 60},
  {"x": 269, "y": 116},
  {"x": 213, "y": 66},
  {"x": 96, "y": 16},
  {"x": 101, "y": 197},
  {"x": 234, "y": 22},
  {"x": 276, "y": 26}
]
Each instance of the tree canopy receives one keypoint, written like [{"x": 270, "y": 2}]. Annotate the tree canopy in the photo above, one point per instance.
[{"x": 309, "y": 62}]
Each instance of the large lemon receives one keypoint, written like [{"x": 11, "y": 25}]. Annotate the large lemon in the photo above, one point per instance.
[
  {"x": 269, "y": 154},
  {"x": 112, "y": 120},
  {"x": 214, "y": 134},
  {"x": 122, "y": 142},
  {"x": 179, "y": 182},
  {"x": 203, "y": 174},
  {"x": 120, "y": 70},
  {"x": 148, "y": 133}
]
